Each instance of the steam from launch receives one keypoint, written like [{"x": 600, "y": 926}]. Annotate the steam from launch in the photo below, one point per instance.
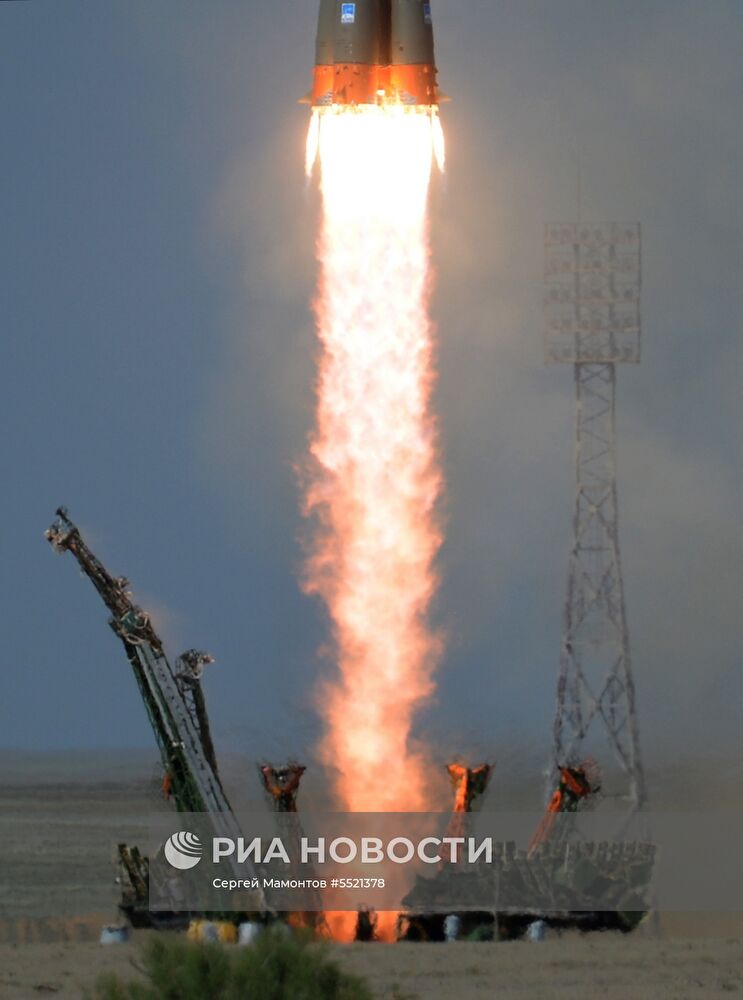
[{"x": 374, "y": 479}]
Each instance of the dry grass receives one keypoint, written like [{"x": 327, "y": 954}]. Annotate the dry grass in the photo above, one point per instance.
[{"x": 599, "y": 967}]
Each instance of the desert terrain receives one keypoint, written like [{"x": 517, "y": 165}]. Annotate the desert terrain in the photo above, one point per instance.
[{"x": 578, "y": 968}]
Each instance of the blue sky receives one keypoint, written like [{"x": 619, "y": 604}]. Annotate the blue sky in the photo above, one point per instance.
[{"x": 156, "y": 274}]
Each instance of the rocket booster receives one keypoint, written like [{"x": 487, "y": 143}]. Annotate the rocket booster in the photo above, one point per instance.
[{"x": 375, "y": 51}]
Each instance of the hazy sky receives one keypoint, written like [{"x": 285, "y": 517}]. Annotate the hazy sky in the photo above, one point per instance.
[{"x": 157, "y": 268}]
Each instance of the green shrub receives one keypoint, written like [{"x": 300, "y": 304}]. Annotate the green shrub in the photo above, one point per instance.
[{"x": 276, "y": 967}]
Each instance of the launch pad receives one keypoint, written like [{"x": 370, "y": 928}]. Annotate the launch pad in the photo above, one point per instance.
[{"x": 177, "y": 711}]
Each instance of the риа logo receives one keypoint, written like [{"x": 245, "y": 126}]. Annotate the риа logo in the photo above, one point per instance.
[{"x": 183, "y": 850}]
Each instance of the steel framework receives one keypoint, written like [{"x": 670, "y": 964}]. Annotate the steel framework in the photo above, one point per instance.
[
  {"x": 173, "y": 699},
  {"x": 592, "y": 274}
]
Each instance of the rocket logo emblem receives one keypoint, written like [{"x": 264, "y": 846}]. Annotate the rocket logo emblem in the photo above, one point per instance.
[{"x": 348, "y": 13}]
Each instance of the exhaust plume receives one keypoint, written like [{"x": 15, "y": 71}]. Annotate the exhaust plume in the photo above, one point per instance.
[{"x": 374, "y": 479}]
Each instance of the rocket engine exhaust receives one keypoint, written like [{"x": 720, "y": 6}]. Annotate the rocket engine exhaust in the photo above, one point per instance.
[
  {"x": 376, "y": 53},
  {"x": 374, "y": 480}
]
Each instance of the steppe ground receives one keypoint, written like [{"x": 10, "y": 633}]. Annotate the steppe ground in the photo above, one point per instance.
[{"x": 574, "y": 967}]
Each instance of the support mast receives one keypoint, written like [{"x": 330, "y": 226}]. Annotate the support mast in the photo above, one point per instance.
[{"x": 173, "y": 698}]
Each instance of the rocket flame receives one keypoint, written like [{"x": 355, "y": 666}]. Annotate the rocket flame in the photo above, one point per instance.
[{"x": 375, "y": 480}]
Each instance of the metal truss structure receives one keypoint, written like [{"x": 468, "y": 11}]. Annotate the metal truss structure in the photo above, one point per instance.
[
  {"x": 173, "y": 698},
  {"x": 592, "y": 276}
]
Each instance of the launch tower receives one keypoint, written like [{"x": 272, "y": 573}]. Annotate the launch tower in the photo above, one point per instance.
[{"x": 593, "y": 281}]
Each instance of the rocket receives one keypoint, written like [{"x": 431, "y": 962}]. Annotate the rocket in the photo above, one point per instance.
[{"x": 374, "y": 52}]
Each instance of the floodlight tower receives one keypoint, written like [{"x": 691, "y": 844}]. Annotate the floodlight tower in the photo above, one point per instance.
[{"x": 593, "y": 282}]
